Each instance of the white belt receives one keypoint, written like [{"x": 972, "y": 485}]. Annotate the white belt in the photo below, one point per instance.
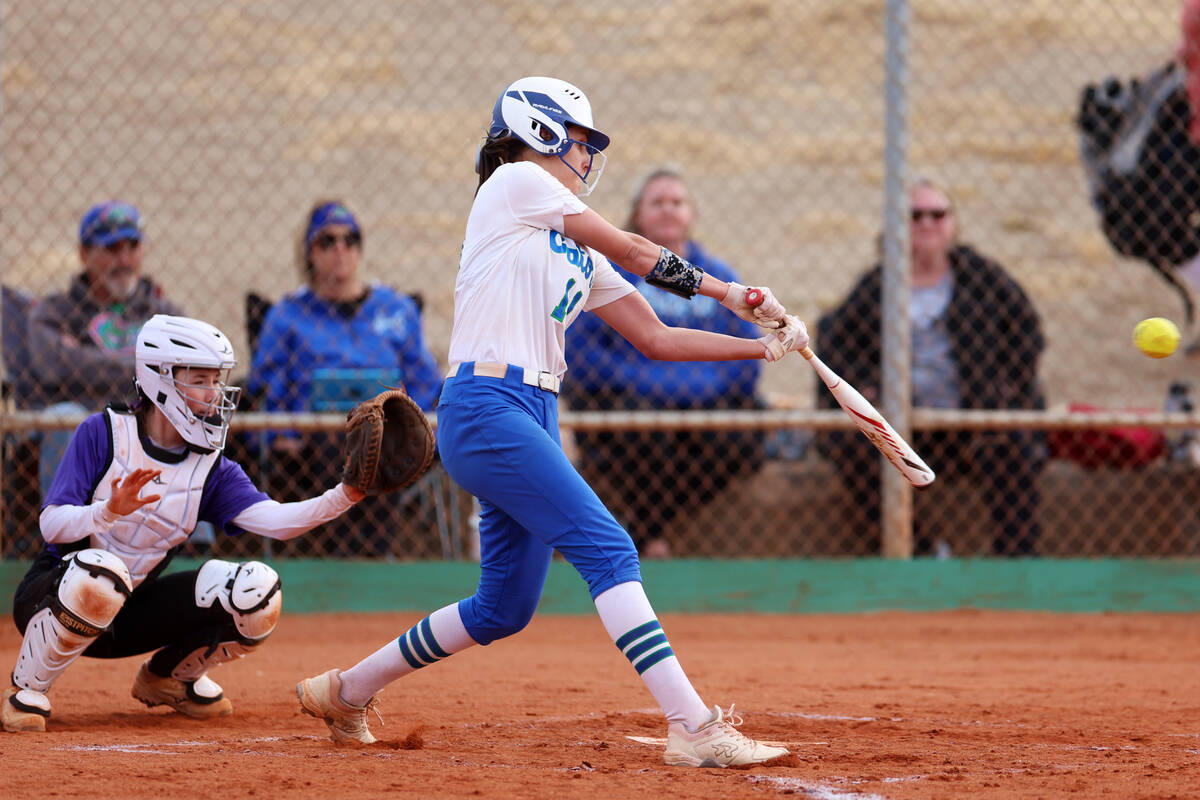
[{"x": 530, "y": 377}]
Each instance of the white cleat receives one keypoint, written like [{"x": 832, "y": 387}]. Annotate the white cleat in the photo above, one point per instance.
[
  {"x": 198, "y": 699},
  {"x": 23, "y": 710},
  {"x": 321, "y": 697},
  {"x": 716, "y": 743}
]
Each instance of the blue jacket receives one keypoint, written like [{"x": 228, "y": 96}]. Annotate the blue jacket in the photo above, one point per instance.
[
  {"x": 302, "y": 333},
  {"x": 600, "y": 361}
]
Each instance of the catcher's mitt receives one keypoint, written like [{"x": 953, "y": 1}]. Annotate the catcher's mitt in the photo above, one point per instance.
[{"x": 389, "y": 443}]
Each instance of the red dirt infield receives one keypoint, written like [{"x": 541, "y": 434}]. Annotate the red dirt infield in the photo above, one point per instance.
[{"x": 890, "y": 705}]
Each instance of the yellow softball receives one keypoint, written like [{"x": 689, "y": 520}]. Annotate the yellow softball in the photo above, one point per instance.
[{"x": 1156, "y": 337}]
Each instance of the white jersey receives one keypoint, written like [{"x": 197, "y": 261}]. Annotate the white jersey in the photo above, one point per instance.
[{"x": 521, "y": 282}]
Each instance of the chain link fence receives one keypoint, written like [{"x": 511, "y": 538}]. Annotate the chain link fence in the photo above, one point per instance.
[{"x": 225, "y": 122}]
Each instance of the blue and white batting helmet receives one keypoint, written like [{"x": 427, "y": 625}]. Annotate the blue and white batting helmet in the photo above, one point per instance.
[{"x": 538, "y": 110}]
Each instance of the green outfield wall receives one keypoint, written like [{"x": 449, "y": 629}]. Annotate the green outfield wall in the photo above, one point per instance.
[{"x": 776, "y": 587}]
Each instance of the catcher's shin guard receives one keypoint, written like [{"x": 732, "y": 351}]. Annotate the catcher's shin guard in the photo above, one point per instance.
[
  {"x": 90, "y": 593},
  {"x": 197, "y": 663},
  {"x": 251, "y": 595}
]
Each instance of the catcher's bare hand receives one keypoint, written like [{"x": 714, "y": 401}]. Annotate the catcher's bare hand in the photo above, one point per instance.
[
  {"x": 767, "y": 313},
  {"x": 389, "y": 443},
  {"x": 125, "y": 494}
]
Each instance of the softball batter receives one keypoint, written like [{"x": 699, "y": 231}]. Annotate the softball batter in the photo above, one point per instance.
[{"x": 533, "y": 259}]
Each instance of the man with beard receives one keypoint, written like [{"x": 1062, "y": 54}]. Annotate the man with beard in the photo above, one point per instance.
[{"x": 81, "y": 341}]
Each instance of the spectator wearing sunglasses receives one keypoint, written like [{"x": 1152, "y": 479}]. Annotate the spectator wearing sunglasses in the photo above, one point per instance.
[
  {"x": 332, "y": 343},
  {"x": 81, "y": 341},
  {"x": 976, "y": 340}
]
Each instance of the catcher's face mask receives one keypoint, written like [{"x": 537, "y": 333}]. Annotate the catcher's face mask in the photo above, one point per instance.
[
  {"x": 209, "y": 400},
  {"x": 207, "y": 393}
]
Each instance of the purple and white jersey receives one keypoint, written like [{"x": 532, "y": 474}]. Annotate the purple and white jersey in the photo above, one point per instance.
[{"x": 193, "y": 487}]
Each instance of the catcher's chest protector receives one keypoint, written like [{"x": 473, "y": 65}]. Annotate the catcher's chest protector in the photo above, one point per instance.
[{"x": 142, "y": 539}]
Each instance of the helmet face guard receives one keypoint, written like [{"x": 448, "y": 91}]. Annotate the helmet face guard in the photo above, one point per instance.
[
  {"x": 538, "y": 111},
  {"x": 214, "y": 415},
  {"x": 168, "y": 348},
  {"x": 591, "y": 171}
]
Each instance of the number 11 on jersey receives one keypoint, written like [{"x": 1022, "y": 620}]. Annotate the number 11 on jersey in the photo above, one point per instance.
[{"x": 562, "y": 309}]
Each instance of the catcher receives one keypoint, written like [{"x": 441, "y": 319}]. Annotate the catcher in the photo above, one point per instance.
[{"x": 131, "y": 487}]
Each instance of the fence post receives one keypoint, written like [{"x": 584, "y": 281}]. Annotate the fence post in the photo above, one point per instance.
[{"x": 896, "y": 354}]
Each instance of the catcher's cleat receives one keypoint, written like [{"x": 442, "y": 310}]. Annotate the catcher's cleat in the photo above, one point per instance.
[
  {"x": 321, "y": 697},
  {"x": 716, "y": 743},
  {"x": 23, "y": 710},
  {"x": 198, "y": 699}
]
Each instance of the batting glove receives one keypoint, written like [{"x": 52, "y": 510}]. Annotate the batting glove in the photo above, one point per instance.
[
  {"x": 767, "y": 314},
  {"x": 792, "y": 336}
]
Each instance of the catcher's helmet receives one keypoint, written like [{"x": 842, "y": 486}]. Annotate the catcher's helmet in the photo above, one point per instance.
[
  {"x": 538, "y": 110},
  {"x": 167, "y": 342}
]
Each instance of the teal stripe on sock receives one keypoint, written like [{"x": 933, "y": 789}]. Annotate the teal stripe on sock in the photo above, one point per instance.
[
  {"x": 652, "y": 659},
  {"x": 430, "y": 642},
  {"x": 414, "y": 641},
  {"x": 408, "y": 656},
  {"x": 646, "y": 644},
  {"x": 637, "y": 633}
]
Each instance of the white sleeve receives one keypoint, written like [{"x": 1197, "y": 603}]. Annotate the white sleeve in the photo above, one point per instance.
[
  {"x": 607, "y": 284},
  {"x": 62, "y": 524},
  {"x": 282, "y": 521},
  {"x": 536, "y": 198}
]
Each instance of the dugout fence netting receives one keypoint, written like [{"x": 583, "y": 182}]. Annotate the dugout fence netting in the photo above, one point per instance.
[{"x": 224, "y": 123}]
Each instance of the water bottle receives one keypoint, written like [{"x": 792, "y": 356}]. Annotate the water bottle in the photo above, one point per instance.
[{"x": 1180, "y": 443}]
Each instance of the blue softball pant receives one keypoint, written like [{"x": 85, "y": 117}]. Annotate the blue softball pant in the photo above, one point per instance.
[{"x": 498, "y": 439}]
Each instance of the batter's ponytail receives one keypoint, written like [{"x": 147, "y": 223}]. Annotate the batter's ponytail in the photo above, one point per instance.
[{"x": 493, "y": 153}]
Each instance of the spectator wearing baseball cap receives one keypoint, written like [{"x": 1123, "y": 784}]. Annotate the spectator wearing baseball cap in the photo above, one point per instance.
[
  {"x": 109, "y": 223},
  {"x": 327, "y": 345},
  {"x": 81, "y": 341}
]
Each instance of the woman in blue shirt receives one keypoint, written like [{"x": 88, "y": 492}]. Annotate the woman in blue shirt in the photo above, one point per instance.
[{"x": 330, "y": 344}]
